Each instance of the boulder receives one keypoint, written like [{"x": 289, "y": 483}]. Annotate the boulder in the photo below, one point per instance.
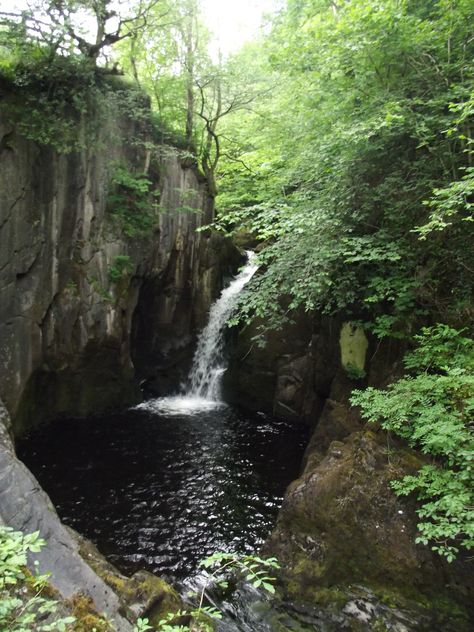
[{"x": 341, "y": 526}]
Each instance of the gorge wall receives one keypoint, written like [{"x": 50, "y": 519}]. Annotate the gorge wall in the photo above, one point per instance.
[
  {"x": 345, "y": 541},
  {"x": 89, "y": 307},
  {"x": 71, "y": 280}
]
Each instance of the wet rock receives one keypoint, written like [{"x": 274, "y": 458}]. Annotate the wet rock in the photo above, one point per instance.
[
  {"x": 173, "y": 307},
  {"x": 142, "y": 595},
  {"x": 26, "y": 507},
  {"x": 275, "y": 378},
  {"x": 341, "y": 524}
]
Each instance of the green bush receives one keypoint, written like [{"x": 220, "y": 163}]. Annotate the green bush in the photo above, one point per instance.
[
  {"x": 432, "y": 408},
  {"x": 220, "y": 567},
  {"x": 22, "y": 606},
  {"x": 122, "y": 267},
  {"x": 129, "y": 202}
]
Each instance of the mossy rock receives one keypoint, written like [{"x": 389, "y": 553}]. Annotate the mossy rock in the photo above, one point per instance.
[
  {"x": 160, "y": 598},
  {"x": 341, "y": 524},
  {"x": 143, "y": 595},
  {"x": 87, "y": 618}
]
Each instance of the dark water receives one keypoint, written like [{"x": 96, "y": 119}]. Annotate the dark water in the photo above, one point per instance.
[{"x": 160, "y": 492}]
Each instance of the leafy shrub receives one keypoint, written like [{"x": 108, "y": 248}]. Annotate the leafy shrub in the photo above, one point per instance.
[
  {"x": 250, "y": 567},
  {"x": 129, "y": 201},
  {"x": 121, "y": 267},
  {"x": 432, "y": 408},
  {"x": 22, "y": 606}
]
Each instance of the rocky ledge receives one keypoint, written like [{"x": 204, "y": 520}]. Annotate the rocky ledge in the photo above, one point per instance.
[{"x": 346, "y": 542}]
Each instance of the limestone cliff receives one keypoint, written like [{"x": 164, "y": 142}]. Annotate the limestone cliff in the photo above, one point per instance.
[{"x": 71, "y": 279}]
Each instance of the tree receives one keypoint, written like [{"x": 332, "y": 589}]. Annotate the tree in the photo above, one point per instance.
[
  {"x": 191, "y": 93},
  {"x": 357, "y": 128},
  {"x": 62, "y": 24},
  {"x": 223, "y": 90}
]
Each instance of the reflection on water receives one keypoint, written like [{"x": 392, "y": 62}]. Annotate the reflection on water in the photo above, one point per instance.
[
  {"x": 168, "y": 483},
  {"x": 164, "y": 485}
]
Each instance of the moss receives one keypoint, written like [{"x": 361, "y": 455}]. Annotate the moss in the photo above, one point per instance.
[
  {"x": 154, "y": 597},
  {"x": 303, "y": 580},
  {"x": 169, "y": 602},
  {"x": 353, "y": 344},
  {"x": 379, "y": 625},
  {"x": 341, "y": 524},
  {"x": 327, "y": 597},
  {"x": 87, "y": 618},
  {"x": 119, "y": 584}
]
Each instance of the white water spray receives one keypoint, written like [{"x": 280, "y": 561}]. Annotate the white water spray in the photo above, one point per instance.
[
  {"x": 209, "y": 364},
  {"x": 208, "y": 367}
]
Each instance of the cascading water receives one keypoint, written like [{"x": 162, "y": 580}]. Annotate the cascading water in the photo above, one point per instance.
[
  {"x": 208, "y": 364},
  {"x": 203, "y": 391},
  {"x": 163, "y": 485}
]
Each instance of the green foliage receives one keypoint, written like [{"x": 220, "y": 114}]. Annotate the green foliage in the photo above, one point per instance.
[
  {"x": 60, "y": 100},
  {"x": 168, "y": 624},
  {"x": 129, "y": 202},
  {"x": 142, "y": 625},
  {"x": 22, "y": 607},
  {"x": 356, "y": 169},
  {"x": 160, "y": 60},
  {"x": 121, "y": 268},
  {"x": 101, "y": 291},
  {"x": 452, "y": 204},
  {"x": 220, "y": 567},
  {"x": 433, "y": 409},
  {"x": 354, "y": 373},
  {"x": 253, "y": 568},
  {"x": 49, "y": 94}
]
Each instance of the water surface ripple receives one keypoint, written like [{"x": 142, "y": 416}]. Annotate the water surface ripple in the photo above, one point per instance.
[{"x": 161, "y": 490}]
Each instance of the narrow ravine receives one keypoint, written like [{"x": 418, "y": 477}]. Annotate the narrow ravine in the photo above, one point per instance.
[{"x": 167, "y": 483}]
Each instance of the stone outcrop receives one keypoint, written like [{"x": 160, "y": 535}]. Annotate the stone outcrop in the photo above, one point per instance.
[
  {"x": 65, "y": 318},
  {"x": 25, "y": 507},
  {"x": 292, "y": 375},
  {"x": 345, "y": 541},
  {"x": 310, "y": 360}
]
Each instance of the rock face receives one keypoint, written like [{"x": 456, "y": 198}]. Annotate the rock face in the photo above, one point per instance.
[
  {"x": 82, "y": 298},
  {"x": 342, "y": 536},
  {"x": 70, "y": 279},
  {"x": 292, "y": 375},
  {"x": 26, "y": 507}
]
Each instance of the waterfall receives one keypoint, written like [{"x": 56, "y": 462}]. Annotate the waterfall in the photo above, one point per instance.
[
  {"x": 209, "y": 363},
  {"x": 203, "y": 390}
]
